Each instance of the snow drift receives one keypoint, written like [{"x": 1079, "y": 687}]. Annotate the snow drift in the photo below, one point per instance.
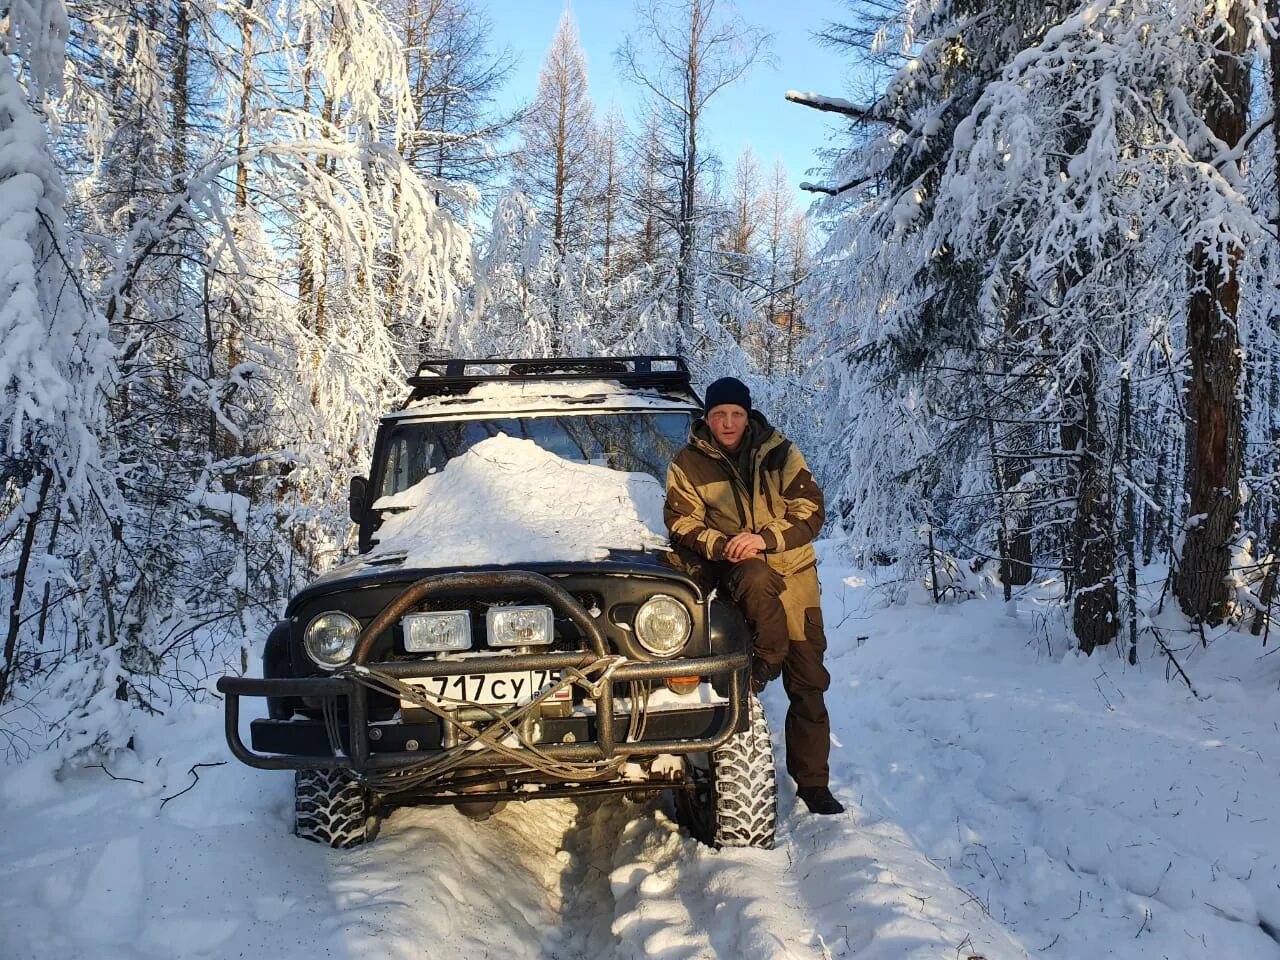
[{"x": 507, "y": 500}]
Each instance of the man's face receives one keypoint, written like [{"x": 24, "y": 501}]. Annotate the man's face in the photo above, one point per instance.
[{"x": 728, "y": 422}]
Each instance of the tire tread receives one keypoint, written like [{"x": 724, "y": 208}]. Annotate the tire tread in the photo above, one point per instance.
[
  {"x": 746, "y": 786},
  {"x": 330, "y": 808}
]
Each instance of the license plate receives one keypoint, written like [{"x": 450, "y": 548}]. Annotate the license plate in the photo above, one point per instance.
[{"x": 491, "y": 689}]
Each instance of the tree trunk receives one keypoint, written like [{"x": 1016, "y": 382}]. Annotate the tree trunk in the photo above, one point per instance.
[
  {"x": 1267, "y": 593},
  {"x": 44, "y": 599},
  {"x": 557, "y": 221},
  {"x": 1017, "y": 569},
  {"x": 321, "y": 280},
  {"x": 685, "y": 266},
  {"x": 307, "y": 242},
  {"x": 234, "y": 351},
  {"x": 689, "y": 180},
  {"x": 1129, "y": 529},
  {"x": 20, "y": 584},
  {"x": 1018, "y": 572},
  {"x": 1094, "y": 611},
  {"x": 1152, "y": 527},
  {"x": 610, "y": 187},
  {"x": 1214, "y": 442},
  {"x": 1002, "y": 529},
  {"x": 180, "y": 95}
]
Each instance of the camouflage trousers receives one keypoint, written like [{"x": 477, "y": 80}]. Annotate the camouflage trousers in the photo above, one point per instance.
[{"x": 786, "y": 615}]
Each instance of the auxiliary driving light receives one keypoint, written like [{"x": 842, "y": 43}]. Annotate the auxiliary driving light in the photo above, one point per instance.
[
  {"x": 519, "y": 626},
  {"x": 663, "y": 625},
  {"x": 683, "y": 686},
  {"x": 437, "y": 632},
  {"x": 330, "y": 638}
]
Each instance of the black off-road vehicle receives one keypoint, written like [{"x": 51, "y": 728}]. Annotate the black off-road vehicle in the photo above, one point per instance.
[{"x": 394, "y": 682}]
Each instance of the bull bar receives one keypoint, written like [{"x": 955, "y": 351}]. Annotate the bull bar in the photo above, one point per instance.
[{"x": 361, "y": 759}]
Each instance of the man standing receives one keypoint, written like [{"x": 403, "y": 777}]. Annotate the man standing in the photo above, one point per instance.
[{"x": 740, "y": 495}]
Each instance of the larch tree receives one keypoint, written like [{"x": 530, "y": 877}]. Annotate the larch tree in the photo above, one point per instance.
[
  {"x": 455, "y": 76},
  {"x": 556, "y": 164},
  {"x": 650, "y": 207},
  {"x": 738, "y": 248},
  {"x": 610, "y": 139},
  {"x": 778, "y": 207},
  {"x": 682, "y": 54}
]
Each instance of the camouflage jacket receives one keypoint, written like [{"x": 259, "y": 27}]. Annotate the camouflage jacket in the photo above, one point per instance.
[{"x": 709, "y": 501}]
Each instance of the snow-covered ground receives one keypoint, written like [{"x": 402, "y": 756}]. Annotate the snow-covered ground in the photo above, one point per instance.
[{"x": 1006, "y": 799}]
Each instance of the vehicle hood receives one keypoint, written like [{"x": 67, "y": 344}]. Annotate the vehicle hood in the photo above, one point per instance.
[{"x": 366, "y": 572}]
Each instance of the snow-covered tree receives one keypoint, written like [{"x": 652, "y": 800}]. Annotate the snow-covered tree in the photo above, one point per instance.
[
  {"x": 55, "y": 379},
  {"x": 1011, "y": 254},
  {"x": 228, "y": 310}
]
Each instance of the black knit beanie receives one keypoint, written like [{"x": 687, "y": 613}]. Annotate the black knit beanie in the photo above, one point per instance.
[{"x": 728, "y": 390}]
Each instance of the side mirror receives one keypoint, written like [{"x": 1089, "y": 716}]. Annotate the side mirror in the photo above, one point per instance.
[{"x": 356, "y": 497}]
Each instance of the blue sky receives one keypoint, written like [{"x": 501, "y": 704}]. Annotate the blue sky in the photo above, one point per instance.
[{"x": 753, "y": 111}]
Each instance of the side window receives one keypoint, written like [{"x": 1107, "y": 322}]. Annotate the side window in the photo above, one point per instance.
[{"x": 395, "y": 476}]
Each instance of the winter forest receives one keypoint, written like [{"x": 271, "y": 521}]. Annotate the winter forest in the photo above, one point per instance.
[
  {"x": 1028, "y": 328},
  {"x": 1022, "y": 316}
]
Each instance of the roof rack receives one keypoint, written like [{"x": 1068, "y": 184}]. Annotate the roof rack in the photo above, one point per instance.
[{"x": 449, "y": 376}]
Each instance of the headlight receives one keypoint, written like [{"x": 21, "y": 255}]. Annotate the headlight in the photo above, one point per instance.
[
  {"x": 663, "y": 625},
  {"x": 519, "y": 626},
  {"x": 330, "y": 638},
  {"x": 437, "y": 632}
]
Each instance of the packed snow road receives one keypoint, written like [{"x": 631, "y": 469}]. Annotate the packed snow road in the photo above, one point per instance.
[
  {"x": 95, "y": 869},
  {"x": 1006, "y": 799}
]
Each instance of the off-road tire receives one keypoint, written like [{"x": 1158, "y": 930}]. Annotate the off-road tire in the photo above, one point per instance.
[
  {"x": 331, "y": 808},
  {"x": 734, "y": 802}
]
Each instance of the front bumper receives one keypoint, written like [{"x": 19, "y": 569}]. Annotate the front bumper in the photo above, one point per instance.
[
  {"x": 385, "y": 746},
  {"x": 304, "y": 744}
]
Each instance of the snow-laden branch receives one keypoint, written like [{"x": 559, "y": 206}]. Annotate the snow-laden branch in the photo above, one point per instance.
[
  {"x": 857, "y": 111},
  {"x": 834, "y": 191}
]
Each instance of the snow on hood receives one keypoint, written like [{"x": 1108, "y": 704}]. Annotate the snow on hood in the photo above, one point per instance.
[{"x": 507, "y": 500}]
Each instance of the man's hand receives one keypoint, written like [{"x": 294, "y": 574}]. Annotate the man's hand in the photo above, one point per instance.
[
  {"x": 761, "y": 673},
  {"x": 743, "y": 547}
]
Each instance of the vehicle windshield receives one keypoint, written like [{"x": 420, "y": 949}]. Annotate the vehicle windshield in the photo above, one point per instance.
[{"x": 634, "y": 442}]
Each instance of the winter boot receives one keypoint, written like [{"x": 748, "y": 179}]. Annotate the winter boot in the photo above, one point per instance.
[{"x": 820, "y": 800}]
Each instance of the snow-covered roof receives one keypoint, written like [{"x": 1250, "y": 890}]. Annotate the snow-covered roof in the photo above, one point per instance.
[{"x": 533, "y": 397}]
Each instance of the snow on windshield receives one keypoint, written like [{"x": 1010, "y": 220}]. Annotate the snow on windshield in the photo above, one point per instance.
[{"x": 507, "y": 500}]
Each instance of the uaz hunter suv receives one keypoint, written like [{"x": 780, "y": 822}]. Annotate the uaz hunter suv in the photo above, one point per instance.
[{"x": 391, "y": 681}]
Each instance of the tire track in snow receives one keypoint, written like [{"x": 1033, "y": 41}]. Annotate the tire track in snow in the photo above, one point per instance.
[
  {"x": 530, "y": 881},
  {"x": 586, "y": 906},
  {"x": 833, "y": 887},
  {"x": 848, "y": 886}
]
